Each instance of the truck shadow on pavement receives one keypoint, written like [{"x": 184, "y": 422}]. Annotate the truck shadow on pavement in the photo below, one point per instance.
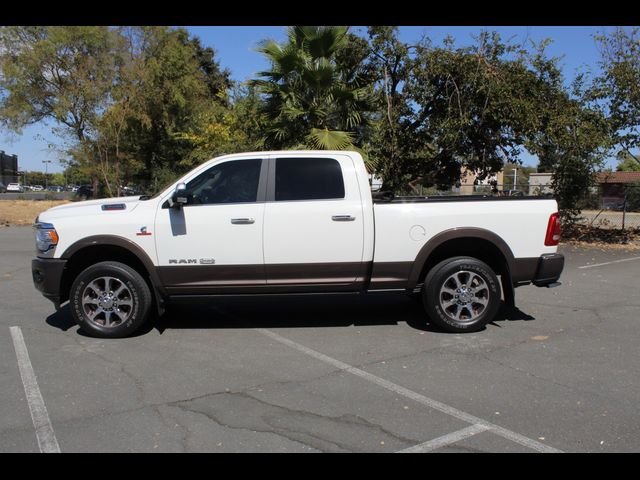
[{"x": 292, "y": 312}]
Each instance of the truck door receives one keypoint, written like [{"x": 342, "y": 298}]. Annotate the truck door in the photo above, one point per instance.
[
  {"x": 213, "y": 244},
  {"x": 313, "y": 225}
]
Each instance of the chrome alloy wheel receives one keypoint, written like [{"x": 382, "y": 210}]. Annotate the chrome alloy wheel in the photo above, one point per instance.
[
  {"x": 107, "y": 302},
  {"x": 464, "y": 296}
]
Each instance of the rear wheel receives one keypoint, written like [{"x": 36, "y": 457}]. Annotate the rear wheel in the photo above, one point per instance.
[
  {"x": 110, "y": 300},
  {"x": 461, "y": 294}
]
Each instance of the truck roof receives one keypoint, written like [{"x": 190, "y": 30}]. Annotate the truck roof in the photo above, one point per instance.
[{"x": 290, "y": 152}]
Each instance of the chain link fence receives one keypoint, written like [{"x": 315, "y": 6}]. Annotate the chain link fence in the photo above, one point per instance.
[{"x": 612, "y": 206}]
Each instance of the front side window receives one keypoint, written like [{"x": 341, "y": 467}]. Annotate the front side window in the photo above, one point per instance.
[
  {"x": 308, "y": 179},
  {"x": 229, "y": 182}
]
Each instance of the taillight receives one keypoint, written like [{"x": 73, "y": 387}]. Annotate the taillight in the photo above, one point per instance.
[{"x": 554, "y": 231}]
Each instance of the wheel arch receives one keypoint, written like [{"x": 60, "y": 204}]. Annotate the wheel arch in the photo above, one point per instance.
[
  {"x": 467, "y": 241},
  {"x": 98, "y": 248}
]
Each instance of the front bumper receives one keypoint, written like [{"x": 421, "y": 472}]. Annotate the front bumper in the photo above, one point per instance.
[{"x": 47, "y": 277}]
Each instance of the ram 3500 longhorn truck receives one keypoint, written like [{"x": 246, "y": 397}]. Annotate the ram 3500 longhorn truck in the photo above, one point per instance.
[{"x": 291, "y": 222}]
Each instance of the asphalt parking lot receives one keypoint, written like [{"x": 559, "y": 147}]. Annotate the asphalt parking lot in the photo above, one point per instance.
[{"x": 330, "y": 374}]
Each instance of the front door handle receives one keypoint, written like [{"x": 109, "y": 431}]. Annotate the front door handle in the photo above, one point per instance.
[
  {"x": 243, "y": 221},
  {"x": 343, "y": 218}
]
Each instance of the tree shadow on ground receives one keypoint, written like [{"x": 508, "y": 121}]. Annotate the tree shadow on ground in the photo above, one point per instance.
[{"x": 307, "y": 311}]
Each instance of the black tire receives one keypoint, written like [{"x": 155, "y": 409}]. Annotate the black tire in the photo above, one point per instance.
[
  {"x": 124, "y": 319},
  {"x": 474, "y": 308}
]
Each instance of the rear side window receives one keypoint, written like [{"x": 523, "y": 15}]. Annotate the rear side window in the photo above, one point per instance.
[{"x": 308, "y": 179}]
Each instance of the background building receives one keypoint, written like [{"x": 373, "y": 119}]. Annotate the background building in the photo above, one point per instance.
[
  {"x": 8, "y": 168},
  {"x": 612, "y": 185},
  {"x": 469, "y": 183}
]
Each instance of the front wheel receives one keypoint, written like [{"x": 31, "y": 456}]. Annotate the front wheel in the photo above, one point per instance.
[
  {"x": 461, "y": 294},
  {"x": 110, "y": 300}
]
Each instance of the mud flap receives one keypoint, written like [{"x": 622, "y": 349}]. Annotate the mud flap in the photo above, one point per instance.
[{"x": 508, "y": 291}]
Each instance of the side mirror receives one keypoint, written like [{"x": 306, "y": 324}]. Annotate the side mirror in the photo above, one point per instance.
[{"x": 179, "y": 197}]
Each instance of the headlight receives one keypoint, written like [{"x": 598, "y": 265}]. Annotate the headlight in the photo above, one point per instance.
[{"x": 46, "y": 236}]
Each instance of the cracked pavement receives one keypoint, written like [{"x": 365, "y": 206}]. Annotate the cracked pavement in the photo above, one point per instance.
[{"x": 562, "y": 370}]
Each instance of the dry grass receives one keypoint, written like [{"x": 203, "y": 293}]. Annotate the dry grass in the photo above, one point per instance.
[
  {"x": 594, "y": 237},
  {"x": 632, "y": 246},
  {"x": 24, "y": 212}
]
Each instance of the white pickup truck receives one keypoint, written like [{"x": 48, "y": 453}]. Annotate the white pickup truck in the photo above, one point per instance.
[{"x": 291, "y": 222}]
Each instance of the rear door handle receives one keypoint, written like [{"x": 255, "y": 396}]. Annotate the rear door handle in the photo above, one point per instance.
[
  {"x": 343, "y": 218},
  {"x": 243, "y": 221}
]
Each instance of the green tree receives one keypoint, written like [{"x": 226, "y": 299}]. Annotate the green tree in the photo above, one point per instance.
[
  {"x": 171, "y": 90},
  {"x": 221, "y": 129},
  {"x": 57, "y": 179},
  {"x": 390, "y": 145},
  {"x": 114, "y": 161},
  {"x": 632, "y": 193},
  {"x": 618, "y": 87},
  {"x": 552, "y": 97},
  {"x": 63, "y": 75},
  {"x": 35, "y": 178},
  {"x": 246, "y": 103},
  {"x": 123, "y": 98},
  {"x": 446, "y": 109},
  {"x": 75, "y": 175},
  {"x": 582, "y": 141},
  {"x": 311, "y": 98},
  {"x": 217, "y": 79},
  {"x": 627, "y": 162}
]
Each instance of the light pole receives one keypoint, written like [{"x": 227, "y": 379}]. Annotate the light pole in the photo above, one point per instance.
[{"x": 46, "y": 173}]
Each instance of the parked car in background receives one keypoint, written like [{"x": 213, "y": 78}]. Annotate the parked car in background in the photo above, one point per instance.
[
  {"x": 56, "y": 188},
  {"x": 84, "y": 192},
  {"x": 14, "y": 187},
  {"x": 616, "y": 207},
  {"x": 37, "y": 188}
]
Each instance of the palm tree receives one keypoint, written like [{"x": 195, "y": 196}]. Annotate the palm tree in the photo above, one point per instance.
[{"x": 308, "y": 101}]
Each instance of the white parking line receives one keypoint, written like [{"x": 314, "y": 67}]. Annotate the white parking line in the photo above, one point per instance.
[
  {"x": 446, "y": 439},
  {"x": 454, "y": 412},
  {"x": 47, "y": 441},
  {"x": 609, "y": 263}
]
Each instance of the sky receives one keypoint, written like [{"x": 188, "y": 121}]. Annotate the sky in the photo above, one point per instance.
[{"x": 235, "y": 48}]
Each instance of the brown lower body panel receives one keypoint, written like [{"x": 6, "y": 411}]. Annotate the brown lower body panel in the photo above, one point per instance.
[
  {"x": 275, "y": 278},
  {"x": 315, "y": 273},
  {"x": 305, "y": 278},
  {"x": 390, "y": 275}
]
